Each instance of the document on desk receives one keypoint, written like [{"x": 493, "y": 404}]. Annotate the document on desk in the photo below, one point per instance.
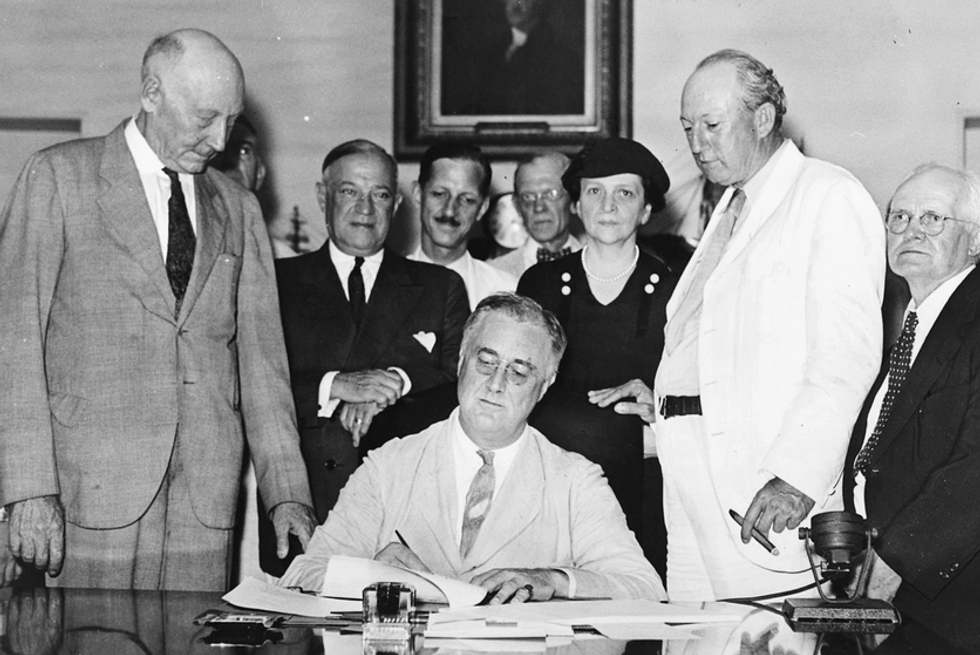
[
  {"x": 257, "y": 595},
  {"x": 347, "y": 576},
  {"x": 594, "y": 613}
]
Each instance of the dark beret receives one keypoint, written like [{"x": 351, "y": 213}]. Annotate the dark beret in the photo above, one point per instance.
[{"x": 613, "y": 156}]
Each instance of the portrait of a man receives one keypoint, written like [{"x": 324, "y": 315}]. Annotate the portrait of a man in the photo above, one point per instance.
[{"x": 513, "y": 57}]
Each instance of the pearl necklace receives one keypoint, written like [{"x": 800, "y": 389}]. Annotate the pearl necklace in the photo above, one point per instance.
[{"x": 618, "y": 276}]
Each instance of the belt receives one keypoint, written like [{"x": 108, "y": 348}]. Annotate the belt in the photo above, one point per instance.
[{"x": 680, "y": 406}]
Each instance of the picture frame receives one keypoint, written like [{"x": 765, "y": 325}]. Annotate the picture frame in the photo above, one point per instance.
[{"x": 455, "y": 80}]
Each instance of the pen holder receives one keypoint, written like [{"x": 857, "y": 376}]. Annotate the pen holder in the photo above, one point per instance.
[{"x": 388, "y": 608}]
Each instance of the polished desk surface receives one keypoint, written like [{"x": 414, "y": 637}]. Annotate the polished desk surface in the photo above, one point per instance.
[{"x": 39, "y": 621}]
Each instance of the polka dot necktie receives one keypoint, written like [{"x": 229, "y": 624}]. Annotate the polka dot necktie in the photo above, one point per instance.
[
  {"x": 898, "y": 367},
  {"x": 477, "y": 502}
]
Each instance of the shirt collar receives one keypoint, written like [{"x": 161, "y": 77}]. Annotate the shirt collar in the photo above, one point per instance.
[
  {"x": 146, "y": 160},
  {"x": 464, "y": 444},
  {"x": 753, "y": 186},
  {"x": 933, "y": 305},
  {"x": 342, "y": 259}
]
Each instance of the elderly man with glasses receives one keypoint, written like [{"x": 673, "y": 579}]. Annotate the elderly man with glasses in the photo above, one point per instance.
[
  {"x": 484, "y": 497},
  {"x": 914, "y": 461},
  {"x": 546, "y": 209}
]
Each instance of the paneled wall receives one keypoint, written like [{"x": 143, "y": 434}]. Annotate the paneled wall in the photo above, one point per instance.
[{"x": 876, "y": 86}]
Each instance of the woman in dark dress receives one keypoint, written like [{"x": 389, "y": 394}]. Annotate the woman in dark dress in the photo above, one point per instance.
[{"x": 611, "y": 299}]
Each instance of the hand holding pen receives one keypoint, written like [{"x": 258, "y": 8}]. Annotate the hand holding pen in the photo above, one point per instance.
[{"x": 400, "y": 554}]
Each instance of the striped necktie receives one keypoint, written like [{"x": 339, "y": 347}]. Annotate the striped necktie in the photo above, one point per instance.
[{"x": 478, "y": 500}]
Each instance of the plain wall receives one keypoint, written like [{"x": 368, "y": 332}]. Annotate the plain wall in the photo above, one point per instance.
[{"x": 876, "y": 86}]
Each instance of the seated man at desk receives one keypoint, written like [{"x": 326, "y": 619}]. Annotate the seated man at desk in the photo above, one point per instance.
[{"x": 484, "y": 497}]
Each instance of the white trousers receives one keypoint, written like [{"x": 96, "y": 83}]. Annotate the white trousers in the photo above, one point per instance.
[{"x": 704, "y": 558}]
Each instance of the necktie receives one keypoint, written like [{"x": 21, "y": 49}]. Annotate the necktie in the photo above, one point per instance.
[
  {"x": 478, "y": 500},
  {"x": 545, "y": 255},
  {"x": 181, "y": 241},
  {"x": 898, "y": 367},
  {"x": 355, "y": 287},
  {"x": 713, "y": 251}
]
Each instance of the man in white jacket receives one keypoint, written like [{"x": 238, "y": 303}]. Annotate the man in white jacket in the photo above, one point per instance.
[{"x": 772, "y": 342}]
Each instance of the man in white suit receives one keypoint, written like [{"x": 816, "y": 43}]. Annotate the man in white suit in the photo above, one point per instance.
[
  {"x": 484, "y": 497},
  {"x": 772, "y": 342}
]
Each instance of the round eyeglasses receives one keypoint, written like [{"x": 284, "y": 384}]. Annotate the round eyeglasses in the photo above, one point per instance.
[
  {"x": 931, "y": 223},
  {"x": 529, "y": 197}
]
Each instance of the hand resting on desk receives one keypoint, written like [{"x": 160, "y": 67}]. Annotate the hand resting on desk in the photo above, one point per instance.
[{"x": 511, "y": 585}]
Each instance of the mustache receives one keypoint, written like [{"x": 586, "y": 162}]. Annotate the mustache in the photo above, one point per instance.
[{"x": 448, "y": 220}]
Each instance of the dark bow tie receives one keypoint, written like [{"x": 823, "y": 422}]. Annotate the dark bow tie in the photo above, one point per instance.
[{"x": 545, "y": 255}]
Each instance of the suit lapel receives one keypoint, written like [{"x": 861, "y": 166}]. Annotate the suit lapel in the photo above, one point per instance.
[
  {"x": 393, "y": 297},
  {"x": 782, "y": 176},
  {"x": 326, "y": 307},
  {"x": 122, "y": 201},
  {"x": 438, "y": 500},
  {"x": 512, "y": 511},
  {"x": 212, "y": 220},
  {"x": 941, "y": 345}
]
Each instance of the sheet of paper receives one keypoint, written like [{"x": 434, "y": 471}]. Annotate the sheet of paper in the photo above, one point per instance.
[
  {"x": 257, "y": 595},
  {"x": 488, "y": 630},
  {"x": 457, "y": 646},
  {"x": 645, "y": 631},
  {"x": 347, "y": 576},
  {"x": 595, "y": 613}
]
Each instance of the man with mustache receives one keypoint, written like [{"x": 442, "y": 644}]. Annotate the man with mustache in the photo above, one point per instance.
[
  {"x": 363, "y": 325},
  {"x": 452, "y": 192}
]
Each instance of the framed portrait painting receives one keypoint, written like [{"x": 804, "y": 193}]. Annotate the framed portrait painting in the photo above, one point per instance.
[{"x": 511, "y": 75}]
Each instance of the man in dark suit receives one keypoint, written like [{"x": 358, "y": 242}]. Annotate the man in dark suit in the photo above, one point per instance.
[
  {"x": 142, "y": 343},
  {"x": 914, "y": 461},
  {"x": 363, "y": 325}
]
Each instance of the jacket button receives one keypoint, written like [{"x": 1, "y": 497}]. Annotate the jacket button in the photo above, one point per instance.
[
  {"x": 954, "y": 566},
  {"x": 875, "y": 471},
  {"x": 331, "y": 464},
  {"x": 944, "y": 575}
]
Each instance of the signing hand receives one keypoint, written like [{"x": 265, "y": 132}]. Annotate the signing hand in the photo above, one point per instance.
[
  {"x": 522, "y": 585},
  {"x": 356, "y": 419},
  {"x": 643, "y": 404},
  {"x": 778, "y": 505},
  {"x": 292, "y": 517},
  {"x": 375, "y": 385},
  {"x": 399, "y": 555},
  {"x": 37, "y": 533}
]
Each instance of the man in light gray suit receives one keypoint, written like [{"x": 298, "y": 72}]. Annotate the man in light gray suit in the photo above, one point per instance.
[{"x": 142, "y": 343}]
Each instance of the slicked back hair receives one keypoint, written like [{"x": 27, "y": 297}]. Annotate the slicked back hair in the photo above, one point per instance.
[
  {"x": 757, "y": 81},
  {"x": 461, "y": 152},
  {"x": 523, "y": 310}
]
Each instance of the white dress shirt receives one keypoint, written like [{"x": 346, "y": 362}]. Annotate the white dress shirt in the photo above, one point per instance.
[
  {"x": 156, "y": 185},
  {"x": 927, "y": 313},
  {"x": 468, "y": 462},
  {"x": 481, "y": 279},
  {"x": 344, "y": 264}
]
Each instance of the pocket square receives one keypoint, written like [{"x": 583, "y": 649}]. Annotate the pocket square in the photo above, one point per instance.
[{"x": 427, "y": 339}]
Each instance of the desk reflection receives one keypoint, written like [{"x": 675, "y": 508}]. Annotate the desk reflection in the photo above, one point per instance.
[{"x": 39, "y": 621}]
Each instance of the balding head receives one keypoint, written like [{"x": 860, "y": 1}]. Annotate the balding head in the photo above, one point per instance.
[{"x": 191, "y": 93}]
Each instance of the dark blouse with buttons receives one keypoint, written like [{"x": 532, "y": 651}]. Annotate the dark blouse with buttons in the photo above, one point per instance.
[{"x": 608, "y": 345}]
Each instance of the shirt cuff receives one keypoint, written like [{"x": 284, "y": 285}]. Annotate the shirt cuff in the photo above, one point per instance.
[
  {"x": 649, "y": 441},
  {"x": 406, "y": 381},
  {"x": 572, "y": 584},
  {"x": 327, "y": 405}
]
